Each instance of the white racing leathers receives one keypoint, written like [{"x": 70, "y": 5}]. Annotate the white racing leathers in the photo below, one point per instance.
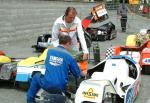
[{"x": 73, "y": 29}]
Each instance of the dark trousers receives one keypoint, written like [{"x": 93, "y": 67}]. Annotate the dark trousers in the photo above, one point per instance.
[
  {"x": 35, "y": 86},
  {"x": 123, "y": 23},
  {"x": 37, "y": 83}
]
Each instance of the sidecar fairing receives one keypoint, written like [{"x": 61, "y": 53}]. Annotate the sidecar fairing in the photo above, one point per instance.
[
  {"x": 26, "y": 68},
  {"x": 114, "y": 80}
]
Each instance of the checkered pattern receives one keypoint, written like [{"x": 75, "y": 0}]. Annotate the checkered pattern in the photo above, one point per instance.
[{"x": 109, "y": 52}]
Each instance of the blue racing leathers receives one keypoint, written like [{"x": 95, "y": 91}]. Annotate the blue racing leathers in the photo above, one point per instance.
[{"x": 58, "y": 63}]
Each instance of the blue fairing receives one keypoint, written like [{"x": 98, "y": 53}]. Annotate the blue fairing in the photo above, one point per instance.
[
  {"x": 121, "y": 57},
  {"x": 23, "y": 77}
]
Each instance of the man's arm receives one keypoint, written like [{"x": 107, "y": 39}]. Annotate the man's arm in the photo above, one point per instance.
[
  {"x": 74, "y": 68},
  {"x": 55, "y": 32},
  {"x": 81, "y": 37}
]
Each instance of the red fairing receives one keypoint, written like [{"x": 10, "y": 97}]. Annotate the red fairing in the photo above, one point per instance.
[
  {"x": 2, "y": 53},
  {"x": 86, "y": 22}
]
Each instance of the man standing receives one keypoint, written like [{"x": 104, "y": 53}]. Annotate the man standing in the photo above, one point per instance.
[
  {"x": 70, "y": 24},
  {"x": 122, "y": 13},
  {"x": 58, "y": 63}
]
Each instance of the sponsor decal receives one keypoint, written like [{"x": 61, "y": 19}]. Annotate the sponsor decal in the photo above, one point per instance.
[
  {"x": 113, "y": 64},
  {"x": 101, "y": 12},
  {"x": 55, "y": 61},
  {"x": 146, "y": 60},
  {"x": 90, "y": 94}
]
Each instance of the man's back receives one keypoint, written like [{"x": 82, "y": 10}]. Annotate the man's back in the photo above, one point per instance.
[
  {"x": 58, "y": 63},
  {"x": 123, "y": 9}
]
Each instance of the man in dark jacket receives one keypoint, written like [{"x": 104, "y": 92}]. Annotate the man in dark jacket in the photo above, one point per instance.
[
  {"x": 122, "y": 13},
  {"x": 58, "y": 63}
]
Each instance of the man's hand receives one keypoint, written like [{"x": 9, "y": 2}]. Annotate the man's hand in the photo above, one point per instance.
[{"x": 85, "y": 56}]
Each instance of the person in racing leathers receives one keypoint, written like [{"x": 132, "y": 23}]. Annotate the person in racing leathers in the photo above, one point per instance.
[
  {"x": 70, "y": 24},
  {"x": 58, "y": 63}
]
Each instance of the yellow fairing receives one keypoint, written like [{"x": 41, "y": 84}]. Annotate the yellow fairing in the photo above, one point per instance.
[
  {"x": 134, "y": 2},
  {"x": 131, "y": 40},
  {"x": 4, "y": 59},
  {"x": 34, "y": 60},
  {"x": 43, "y": 55},
  {"x": 28, "y": 62}
]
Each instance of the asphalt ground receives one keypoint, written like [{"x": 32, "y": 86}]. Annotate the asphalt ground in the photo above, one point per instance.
[{"x": 22, "y": 49}]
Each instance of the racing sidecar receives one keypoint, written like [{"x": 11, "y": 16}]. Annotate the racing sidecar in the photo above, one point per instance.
[
  {"x": 113, "y": 80},
  {"x": 137, "y": 47},
  {"x": 104, "y": 32}
]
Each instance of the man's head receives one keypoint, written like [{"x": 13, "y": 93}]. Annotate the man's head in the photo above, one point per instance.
[
  {"x": 70, "y": 14},
  {"x": 65, "y": 40}
]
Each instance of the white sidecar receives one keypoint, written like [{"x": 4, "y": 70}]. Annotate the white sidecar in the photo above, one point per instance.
[{"x": 114, "y": 80}]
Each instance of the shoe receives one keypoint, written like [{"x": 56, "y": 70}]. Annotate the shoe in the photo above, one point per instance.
[{"x": 123, "y": 31}]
